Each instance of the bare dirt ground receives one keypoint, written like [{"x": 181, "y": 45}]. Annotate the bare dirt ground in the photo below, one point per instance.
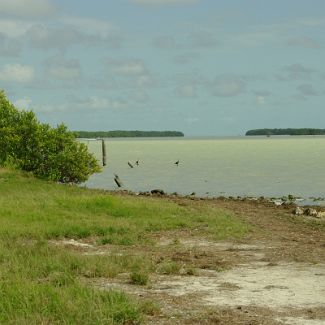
[{"x": 275, "y": 275}]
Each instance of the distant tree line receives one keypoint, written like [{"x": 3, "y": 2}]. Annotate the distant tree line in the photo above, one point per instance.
[
  {"x": 124, "y": 134},
  {"x": 300, "y": 131}
]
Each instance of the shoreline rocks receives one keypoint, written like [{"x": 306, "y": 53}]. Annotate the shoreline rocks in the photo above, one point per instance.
[
  {"x": 309, "y": 212},
  {"x": 286, "y": 202},
  {"x": 157, "y": 191}
]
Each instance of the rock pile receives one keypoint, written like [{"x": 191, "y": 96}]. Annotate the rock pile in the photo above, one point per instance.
[{"x": 299, "y": 211}]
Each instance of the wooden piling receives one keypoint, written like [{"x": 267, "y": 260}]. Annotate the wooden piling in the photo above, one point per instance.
[
  {"x": 118, "y": 181},
  {"x": 104, "y": 152}
]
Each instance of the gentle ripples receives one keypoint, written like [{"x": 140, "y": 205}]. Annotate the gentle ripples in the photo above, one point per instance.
[{"x": 250, "y": 166}]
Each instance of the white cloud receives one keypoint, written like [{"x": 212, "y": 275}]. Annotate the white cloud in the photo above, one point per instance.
[
  {"x": 262, "y": 92},
  {"x": 188, "y": 90},
  {"x": 304, "y": 42},
  {"x": 13, "y": 28},
  {"x": 227, "y": 86},
  {"x": 144, "y": 80},
  {"x": 61, "y": 68},
  {"x": 23, "y": 103},
  {"x": 129, "y": 73},
  {"x": 90, "y": 26},
  {"x": 260, "y": 100},
  {"x": 253, "y": 38},
  {"x": 17, "y": 73},
  {"x": 186, "y": 58},
  {"x": 26, "y": 8},
  {"x": 307, "y": 90},
  {"x": 82, "y": 105},
  {"x": 140, "y": 96},
  {"x": 65, "y": 72},
  {"x": 133, "y": 68},
  {"x": 191, "y": 120},
  {"x": 164, "y": 2},
  {"x": 103, "y": 103},
  {"x": 165, "y": 42},
  {"x": 295, "y": 72},
  {"x": 203, "y": 39},
  {"x": 44, "y": 37},
  {"x": 9, "y": 47},
  {"x": 73, "y": 31},
  {"x": 312, "y": 22}
]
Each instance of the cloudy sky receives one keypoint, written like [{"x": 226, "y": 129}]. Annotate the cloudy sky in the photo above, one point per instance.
[{"x": 204, "y": 67}]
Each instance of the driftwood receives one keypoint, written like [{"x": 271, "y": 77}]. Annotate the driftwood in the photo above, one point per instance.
[{"x": 118, "y": 181}]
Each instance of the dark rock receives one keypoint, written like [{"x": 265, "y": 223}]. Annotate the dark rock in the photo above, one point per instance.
[
  {"x": 157, "y": 192},
  {"x": 146, "y": 193},
  {"x": 311, "y": 212}
]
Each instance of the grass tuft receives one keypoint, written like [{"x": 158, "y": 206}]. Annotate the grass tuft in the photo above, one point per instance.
[
  {"x": 169, "y": 268},
  {"x": 139, "y": 278}
]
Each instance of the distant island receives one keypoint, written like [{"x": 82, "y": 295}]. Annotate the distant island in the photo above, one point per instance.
[
  {"x": 127, "y": 134},
  {"x": 301, "y": 131}
]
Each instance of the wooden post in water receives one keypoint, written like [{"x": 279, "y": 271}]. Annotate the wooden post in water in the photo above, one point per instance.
[{"x": 104, "y": 152}]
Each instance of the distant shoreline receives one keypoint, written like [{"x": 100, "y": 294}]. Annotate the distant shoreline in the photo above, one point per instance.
[
  {"x": 127, "y": 134},
  {"x": 288, "y": 131}
]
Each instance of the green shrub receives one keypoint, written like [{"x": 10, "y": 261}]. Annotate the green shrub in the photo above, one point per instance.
[
  {"x": 47, "y": 152},
  {"x": 169, "y": 268},
  {"x": 149, "y": 307},
  {"x": 139, "y": 278}
]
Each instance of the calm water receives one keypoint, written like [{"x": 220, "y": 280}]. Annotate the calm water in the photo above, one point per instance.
[{"x": 249, "y": 166}]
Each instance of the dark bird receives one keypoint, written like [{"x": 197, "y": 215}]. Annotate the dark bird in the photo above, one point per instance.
[
  {"x": 177, "y": 162},
  {"x": 130, "y": 164},
  {"x": 137, "y": 162},
  {"x": 117, "y": 180}
]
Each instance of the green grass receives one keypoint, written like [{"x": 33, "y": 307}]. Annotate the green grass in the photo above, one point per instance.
[
  {"x": 139, "y": 278},
  {"x": 169, "y": 268},
  {"x": 41, "y": 283},
  {"x": 35, "y": 209}
]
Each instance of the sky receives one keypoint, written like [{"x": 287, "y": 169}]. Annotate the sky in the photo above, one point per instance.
[{"x": 203, "y": 67}]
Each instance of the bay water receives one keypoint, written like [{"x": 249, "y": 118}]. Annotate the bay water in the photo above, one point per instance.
[{"x": 236, "y": 166}]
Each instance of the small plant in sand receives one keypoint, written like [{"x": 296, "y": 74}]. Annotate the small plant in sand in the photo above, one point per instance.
[
  {"x": 169, "y": 268},
  {"x": 139, "y": 278}
]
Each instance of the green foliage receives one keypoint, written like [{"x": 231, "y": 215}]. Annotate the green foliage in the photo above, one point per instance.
[
  {"x": 168, "y": 268},
  {"x": 127, "y": 134},
  {"x": 301, "y": 131},
  {"x": 50, "y": 153},
  {"x": 149, "y": 307},
  {"x": 139, "y": 278}
]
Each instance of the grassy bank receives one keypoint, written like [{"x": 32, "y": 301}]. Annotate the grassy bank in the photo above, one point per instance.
[{"x": 44, "y": 283}]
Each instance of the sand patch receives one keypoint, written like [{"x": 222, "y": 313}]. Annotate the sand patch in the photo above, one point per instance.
[
  {"x": 201, "y": 242},
  {"x": 71, "y": 242},
  {"x": 301, "y": 321},
  {"x": 280, "y": 286}
]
